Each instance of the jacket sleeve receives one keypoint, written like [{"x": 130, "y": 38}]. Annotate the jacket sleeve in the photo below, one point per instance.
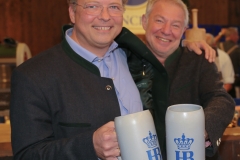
[
  {"x": 217, "y": 103},
  {"x": 33, "y": 135}
]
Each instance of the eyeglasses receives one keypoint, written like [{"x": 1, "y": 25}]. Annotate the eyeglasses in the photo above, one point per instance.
[{"x": 96, "y": 9}]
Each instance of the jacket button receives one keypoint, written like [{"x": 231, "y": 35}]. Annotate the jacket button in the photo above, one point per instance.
[{"x": 108, "y": 87}]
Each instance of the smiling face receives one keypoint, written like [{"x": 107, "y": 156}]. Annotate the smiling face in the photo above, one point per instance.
[
  {"x": 164, "y": 28},
  {"x": 95, "y": 33}
]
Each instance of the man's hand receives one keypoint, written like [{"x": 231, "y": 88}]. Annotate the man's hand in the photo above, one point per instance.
[
  {"x": 105, "y": 142},
  {"x": 207, "y": 141},
  {"x": 223, "y": 31},
  {"x": 220, "y": 35},
  {"x": 196, "y": 46}
]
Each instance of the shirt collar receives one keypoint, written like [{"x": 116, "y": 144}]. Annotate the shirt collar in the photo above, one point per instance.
[{"x": 89, "y": 56}]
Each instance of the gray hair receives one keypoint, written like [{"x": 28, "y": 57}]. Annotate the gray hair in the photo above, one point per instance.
[
  {"x": 71, "y": 2},
  {"x": 175, "y": 2},
  {"x": 231, "y": 31},
  {"x": 210, "y": 39}
]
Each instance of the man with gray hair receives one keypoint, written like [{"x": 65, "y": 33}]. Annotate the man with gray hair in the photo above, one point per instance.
[{"x": 190, "y": 78}]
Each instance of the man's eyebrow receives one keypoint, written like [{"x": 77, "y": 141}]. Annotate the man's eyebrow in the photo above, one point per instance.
[
  {"x": 174, "y": 21},
  {"x": 159, "y": 16},
  {"x": 177, "y": 22}
]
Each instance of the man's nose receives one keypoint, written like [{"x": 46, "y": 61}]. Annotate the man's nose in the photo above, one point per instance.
[
  {"x": 104, "y": 14},
  {"x": 166, "y": 28}
]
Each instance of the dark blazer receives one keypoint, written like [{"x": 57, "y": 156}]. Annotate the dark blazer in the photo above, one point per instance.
[
  {"x": 194, "y": 80},
  {"x": 56, "y": 106},
  {"x": 59, "y": 99}
]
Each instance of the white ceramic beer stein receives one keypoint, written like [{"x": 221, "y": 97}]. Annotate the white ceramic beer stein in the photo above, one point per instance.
[
  {"x": 185, "y": 129},
  {"x": 137, "y": 137}
]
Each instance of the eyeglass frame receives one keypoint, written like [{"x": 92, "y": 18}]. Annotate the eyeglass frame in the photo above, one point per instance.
[{"x": 101, "y": 9}]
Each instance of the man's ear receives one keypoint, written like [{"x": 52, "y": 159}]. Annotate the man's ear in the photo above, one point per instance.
[
  {"x": 185, "y": 28},
  {"x": 71, "y": 14},
  {"x": 144, "y": 22},
  {"x": 183, "y": 32}
]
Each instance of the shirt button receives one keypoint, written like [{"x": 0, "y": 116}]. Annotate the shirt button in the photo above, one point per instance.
[{"x": 108, "y": 88}]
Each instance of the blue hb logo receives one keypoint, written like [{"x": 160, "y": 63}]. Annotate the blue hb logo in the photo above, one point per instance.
[
  {"x": 184, "y": 144},
  {"x": 152, "y": 142},
  {"x": 186, "y": 155}
]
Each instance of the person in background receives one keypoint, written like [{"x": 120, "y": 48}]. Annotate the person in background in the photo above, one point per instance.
[
  {"x": 188, "y": 77},
  {"x": 231, "y": 47},
  {"x": 219, "y": 36},
  {"x": 64, "y": 100},
  {"x": 223, "y": 63}
]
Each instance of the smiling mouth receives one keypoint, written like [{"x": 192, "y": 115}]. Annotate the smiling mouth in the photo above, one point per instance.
[
  {"x": 103, "y": 28},
  {"x": 163, "y": 39}
]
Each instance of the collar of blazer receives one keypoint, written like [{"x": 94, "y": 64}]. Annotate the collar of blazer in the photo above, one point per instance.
[{"x": 126, "y": 39}]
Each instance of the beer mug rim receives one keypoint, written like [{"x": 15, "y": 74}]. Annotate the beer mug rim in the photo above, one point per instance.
[
  {"x": 132, "y": 114},
  {"x": 184, "y": 107}
]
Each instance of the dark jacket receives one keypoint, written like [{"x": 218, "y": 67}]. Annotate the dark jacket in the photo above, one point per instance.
[
  {"x": 194, "y": 80},
  {"x": 53, "y": 114}
]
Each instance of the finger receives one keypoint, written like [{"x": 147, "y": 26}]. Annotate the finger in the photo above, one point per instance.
[
  {"x": 111, "y": 158},
  {"x": 110, "y": 136},
  {"x": 115, "y": 136},
  {"x": 113, "y": 154},
  {"x": 110, "y": 153},
  {"x": 119, "y": 158},
  {"x": 214, "y": 55},
  {"x": 197, "y": 49},
  {"x": 211, "y": 54},
  {"x": 208, "y": 51},
  {"x": 208, "y": 55},
  {"x": 118, "y": 152},
  {"x": 207, "y": 143}
]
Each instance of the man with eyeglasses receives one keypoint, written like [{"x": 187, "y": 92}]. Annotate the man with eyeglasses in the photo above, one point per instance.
[{"x": 64, "y": 100}]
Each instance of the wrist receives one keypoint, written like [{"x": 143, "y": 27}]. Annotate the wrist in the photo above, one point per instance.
[{"x": 220, "y": 33}]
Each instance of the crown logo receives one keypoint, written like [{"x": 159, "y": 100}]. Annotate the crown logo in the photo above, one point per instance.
[
  {"x": 184, "y": 143},
  {"x": 151, "y": 140}
]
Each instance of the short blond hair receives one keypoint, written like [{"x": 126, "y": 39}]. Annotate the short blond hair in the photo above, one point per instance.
[
  {"x": 70, "y": 2},
  {"x": 210, "y": 39}
]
